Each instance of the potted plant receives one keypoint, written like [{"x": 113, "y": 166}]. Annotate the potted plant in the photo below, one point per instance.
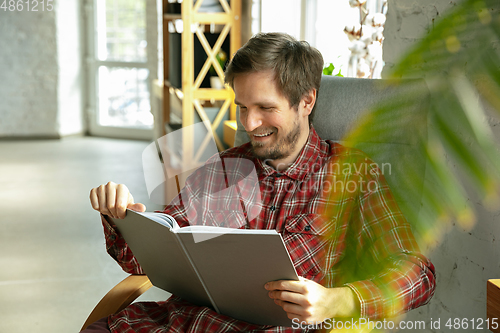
[
  {"x": 215, "y": 80},
  {"x": 329, "y": 70}
]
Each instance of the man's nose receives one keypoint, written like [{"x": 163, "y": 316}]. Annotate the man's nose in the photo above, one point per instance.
[{"x": 251, "y": 120}]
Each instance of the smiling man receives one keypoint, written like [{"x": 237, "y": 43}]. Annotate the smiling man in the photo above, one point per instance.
[
  {"x": 353, "y": 249},
  {"x": 277, "y": 131}
]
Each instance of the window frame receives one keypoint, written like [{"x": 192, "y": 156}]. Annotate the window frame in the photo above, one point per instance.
[{"x": 92, "y": 72}]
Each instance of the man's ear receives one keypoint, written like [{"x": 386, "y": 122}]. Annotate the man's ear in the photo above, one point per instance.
[{"x": 308, "y": 102}]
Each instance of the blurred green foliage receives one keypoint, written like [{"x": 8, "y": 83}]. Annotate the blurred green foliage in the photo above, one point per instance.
[{"x": 460, "y": 61}]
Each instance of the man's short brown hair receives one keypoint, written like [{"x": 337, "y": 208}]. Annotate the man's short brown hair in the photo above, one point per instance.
[{"x": 297, "y": 66}]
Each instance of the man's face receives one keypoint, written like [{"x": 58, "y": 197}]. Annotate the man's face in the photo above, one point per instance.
[{"x": 277, "y": 131}]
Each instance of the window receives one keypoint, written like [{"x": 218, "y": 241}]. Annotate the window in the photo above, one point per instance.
[
  {"x": 121, "y": 66},
  {"x": 320, "y": 22}
]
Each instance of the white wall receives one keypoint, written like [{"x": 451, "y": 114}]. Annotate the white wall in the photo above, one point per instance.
[
  {"x": 465, "y": 259},
  {"x": 40, "y": 66},
  {"x": 28, "y": 85},
  {"x": 407, "y": 22}
]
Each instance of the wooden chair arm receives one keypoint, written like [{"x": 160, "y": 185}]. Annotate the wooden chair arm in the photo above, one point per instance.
[
  {"x": 133, "y": 286},
  {"x": 119, "y": 297}
]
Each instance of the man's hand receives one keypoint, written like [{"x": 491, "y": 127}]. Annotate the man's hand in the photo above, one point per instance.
[
  {"x": 113, "y": 200},
  {"x": 309, "y": 301}
]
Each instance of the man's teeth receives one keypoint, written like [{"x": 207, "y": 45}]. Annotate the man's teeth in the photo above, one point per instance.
[{"x": 263, "y": 135}]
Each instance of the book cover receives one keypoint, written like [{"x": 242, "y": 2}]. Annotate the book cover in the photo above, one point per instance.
[{"x": 223, "y": 268}]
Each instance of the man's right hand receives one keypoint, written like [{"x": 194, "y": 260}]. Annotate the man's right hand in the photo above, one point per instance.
[{"x": 113, "y": 200}]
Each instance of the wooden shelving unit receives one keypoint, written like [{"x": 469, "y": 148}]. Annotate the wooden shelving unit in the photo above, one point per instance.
[{"x": 192, "y": 97}]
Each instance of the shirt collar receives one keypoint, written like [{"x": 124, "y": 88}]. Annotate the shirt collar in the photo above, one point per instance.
[{"x": 303, "y": 164}]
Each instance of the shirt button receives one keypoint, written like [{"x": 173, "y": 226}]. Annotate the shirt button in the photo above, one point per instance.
[
  {"x": 272, "y": 208},
  {"x": 222, "y": 224},
  {"x": 307, "y": 228}
]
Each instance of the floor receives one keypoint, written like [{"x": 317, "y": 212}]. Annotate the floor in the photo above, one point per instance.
[{"x": 53, "y": 264}]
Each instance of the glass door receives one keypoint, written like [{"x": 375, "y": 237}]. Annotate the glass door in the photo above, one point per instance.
[{"x": 119, "y": 69}]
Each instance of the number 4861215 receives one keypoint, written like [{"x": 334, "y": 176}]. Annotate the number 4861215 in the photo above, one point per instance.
[{"x": 27, "y": 5}]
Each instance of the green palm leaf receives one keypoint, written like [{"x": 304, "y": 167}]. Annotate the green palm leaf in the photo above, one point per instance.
[{"x": 459, "y": 60}]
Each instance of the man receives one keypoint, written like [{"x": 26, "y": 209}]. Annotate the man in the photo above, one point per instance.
[{"x": 353, "y": 248}]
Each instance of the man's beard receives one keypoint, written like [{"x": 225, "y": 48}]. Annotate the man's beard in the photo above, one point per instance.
[{"x": 281, "y": 149}]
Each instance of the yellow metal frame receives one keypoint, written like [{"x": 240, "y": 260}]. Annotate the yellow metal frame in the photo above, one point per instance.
[{"x": 192, "y": 94}]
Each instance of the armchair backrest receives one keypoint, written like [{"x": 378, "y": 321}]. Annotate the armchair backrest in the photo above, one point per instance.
[{"x": 401, "y": 134}]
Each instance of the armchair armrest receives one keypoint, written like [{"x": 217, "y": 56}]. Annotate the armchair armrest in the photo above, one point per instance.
[
  {"x": 125, "y": 292},
  {"x": 119, "y": 297}
]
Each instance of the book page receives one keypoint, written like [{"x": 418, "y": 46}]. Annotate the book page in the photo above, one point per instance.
[
  {"x": 161, "y": 218},
  {"x": 193, "y": 229}
]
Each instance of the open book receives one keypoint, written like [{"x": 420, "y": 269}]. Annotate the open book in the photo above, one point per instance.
[{"x": 222, "y": 268}]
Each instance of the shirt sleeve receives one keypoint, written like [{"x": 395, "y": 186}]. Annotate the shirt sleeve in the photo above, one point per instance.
[
  {"x": 399, "y": 277},
  {"x": 183, "y": 208},
  {"x": 118, "y": 249}
]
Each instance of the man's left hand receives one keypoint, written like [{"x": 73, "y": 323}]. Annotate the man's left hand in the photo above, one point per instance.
[{"x": 309, "y": 301}]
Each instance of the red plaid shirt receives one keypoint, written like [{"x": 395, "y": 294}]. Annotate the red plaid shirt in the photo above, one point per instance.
[{"x": 339, "y": 223}]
